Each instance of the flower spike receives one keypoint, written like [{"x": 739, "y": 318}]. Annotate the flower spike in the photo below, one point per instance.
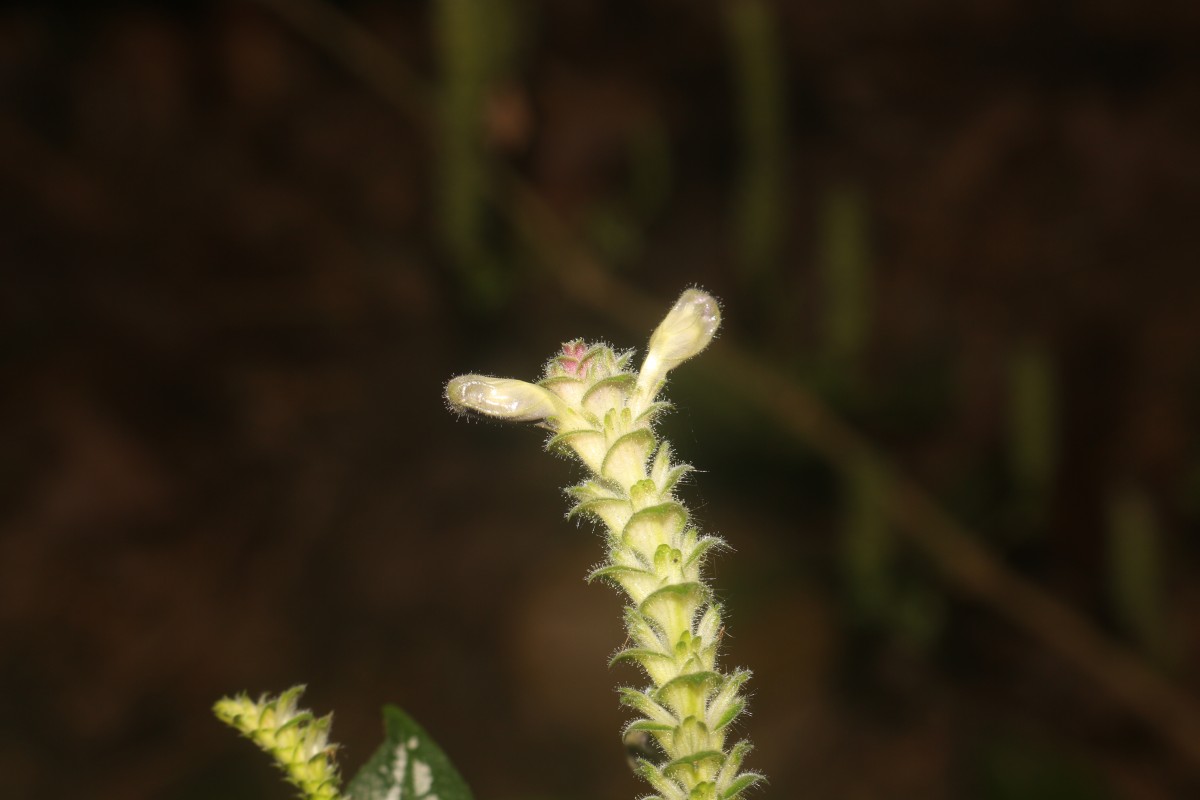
[
  {"x": 602, "y": 412},
  {"x": 298, "y": 741}
]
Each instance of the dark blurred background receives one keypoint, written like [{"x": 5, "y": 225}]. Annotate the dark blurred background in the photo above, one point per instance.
[{"x": 244, "y": 244}]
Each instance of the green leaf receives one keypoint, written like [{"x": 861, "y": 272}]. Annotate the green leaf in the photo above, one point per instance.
[{"x": 407, "y": 766}]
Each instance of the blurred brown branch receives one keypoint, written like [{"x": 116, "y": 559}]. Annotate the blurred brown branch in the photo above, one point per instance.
[{"x": 955, "y": 550}]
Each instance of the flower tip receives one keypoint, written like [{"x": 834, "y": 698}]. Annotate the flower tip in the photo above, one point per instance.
[
  {"x": 687, "y": 329},
  {"x": 501, "y": 398},
  {"x": 703, "y": 307}
]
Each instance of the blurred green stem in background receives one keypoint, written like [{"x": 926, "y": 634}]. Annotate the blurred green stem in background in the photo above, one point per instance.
[
  {"x": 1014, "y": 765},
  {"x": 882, "y": 595},
  {"x": 616, "y": 224},
  {"x": 649, "y": 169},
  {"x": 1136, "y": 574},
  {"x": 1032, "y": 432},
  {"x": 760, "y": 202},
  {"x": 475, "y": 41},
  {"x": 845, "y": 264},
  {"x": 867, "y": 546}
]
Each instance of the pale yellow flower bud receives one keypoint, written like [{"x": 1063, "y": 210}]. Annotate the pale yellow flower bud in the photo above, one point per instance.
[
  {"x": 686, "y": 330},
  {"x": 502, "y": 398}
]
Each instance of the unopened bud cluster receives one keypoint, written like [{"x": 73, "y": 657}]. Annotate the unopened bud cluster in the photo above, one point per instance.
[
  {"x": 602, "y": 412},
  {"x": 298, "y": 741}
]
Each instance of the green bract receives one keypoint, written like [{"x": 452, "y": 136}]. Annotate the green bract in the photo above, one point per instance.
[{"x": 602, "y": 412}]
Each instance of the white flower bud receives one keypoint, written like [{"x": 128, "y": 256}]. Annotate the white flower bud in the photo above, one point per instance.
[
  {"x": 502, "y": 398},
  {"x": 686, "y": 330}
]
